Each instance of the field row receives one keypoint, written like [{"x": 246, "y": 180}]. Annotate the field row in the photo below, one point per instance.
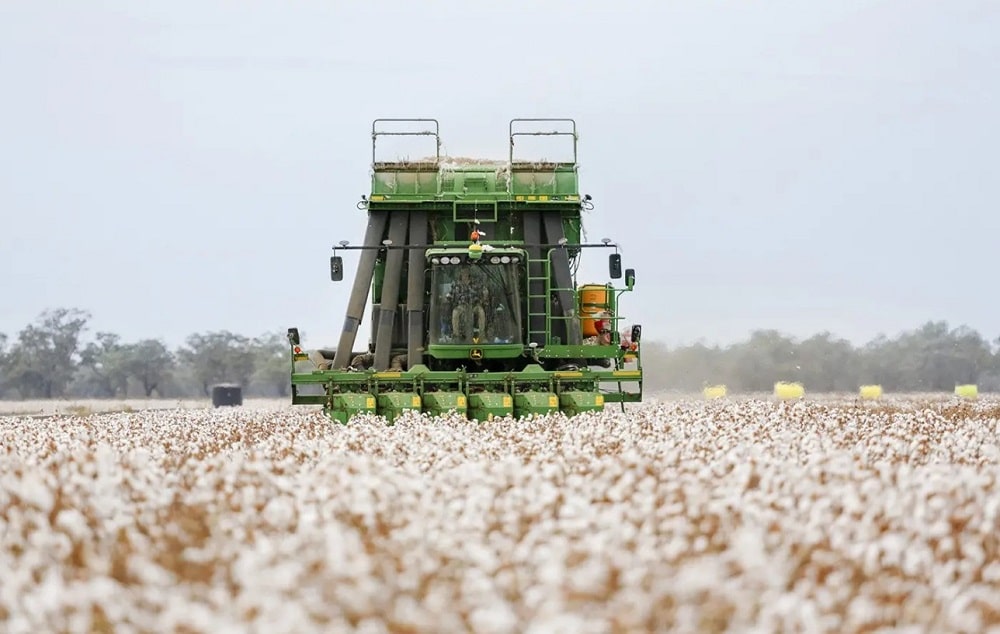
[{"x": 686, "y": 514}]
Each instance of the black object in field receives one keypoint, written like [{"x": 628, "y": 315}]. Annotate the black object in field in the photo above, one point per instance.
[{"x": 227, "y": 395}]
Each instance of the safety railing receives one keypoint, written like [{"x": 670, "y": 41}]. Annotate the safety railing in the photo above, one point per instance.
[
  {"x": 436, "y": 133},
  {"x": 515, "y": 123}
]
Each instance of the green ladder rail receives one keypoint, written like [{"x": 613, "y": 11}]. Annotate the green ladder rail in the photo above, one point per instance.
[{"x": 543, "y": 316}]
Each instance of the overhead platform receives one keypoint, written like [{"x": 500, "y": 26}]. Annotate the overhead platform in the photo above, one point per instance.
[{"x": 438, "y": 177}]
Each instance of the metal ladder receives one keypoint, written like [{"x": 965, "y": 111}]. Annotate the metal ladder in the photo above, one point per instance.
[{"x": 538, "y": 276}]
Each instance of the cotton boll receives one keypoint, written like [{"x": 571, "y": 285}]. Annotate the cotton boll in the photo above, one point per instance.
[
  {"x": 73, "y": 523},
  {"x": 279, "y": 513},
  {"x": 33, "y": 490},
  {"x": 498, "y": 618}
]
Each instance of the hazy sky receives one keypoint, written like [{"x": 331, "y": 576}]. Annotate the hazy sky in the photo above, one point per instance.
[{"x": 186, "y": 166}]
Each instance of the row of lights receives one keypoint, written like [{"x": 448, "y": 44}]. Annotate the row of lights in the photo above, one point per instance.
[
  {"x": 496, "y": 259},
  {"x": 562, "y": 242}
]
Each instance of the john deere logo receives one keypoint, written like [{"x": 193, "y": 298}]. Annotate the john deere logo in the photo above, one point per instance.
[{"x": 476, "y": 353}]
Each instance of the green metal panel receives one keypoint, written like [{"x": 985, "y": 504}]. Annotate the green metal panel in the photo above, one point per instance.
[
  {"x": 572, "y": 225},
  {"x": 573, "y": 402},
  {"x": 345, "y": 406},
  {"x": 430, "y": 181},
  {"x": 544, "y": 180},
  {"x": 485, "y": 406},
  {"x": 489, "y": 351},
  {"x": 490, "y": 180},
  {"x": 473, "y": 210},
  {"x": 402, "y": 179},
  {"x": 622, "y": 397},
  {"x": 437, "y": 403},
  {"x": 540, "y": 403},
  {"x": 393, "y": 404}
]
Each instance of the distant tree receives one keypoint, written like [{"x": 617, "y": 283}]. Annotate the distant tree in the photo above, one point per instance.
[
  {"x": 4, "y": 371},
  {"x": 150, "y": 363},
  {"x": 108, "y": 361},
  {"x": 689, "y": 367},
  {"x": 870, "y": 360},
  {"x": 968, "y": 356},
  {"x": 44, "y": 358},
  {"x": 272, "y": 363},
  {"x": 767, "y": 357},
  {"x": 929, "y": 358},
  {"x": 218, "y": 357},
  {"x": 927, "y": 349},
  {"x": 989, "y": 380},
  {"x": 827, "y": 364}
]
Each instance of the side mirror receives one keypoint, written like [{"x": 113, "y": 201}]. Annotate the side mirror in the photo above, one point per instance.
[
  {"x": 336, "y": 268},
  {"x": 636, "y": 333},
  {"x": 615, "y": 265},
  {"x": 293, "y": 336},
  {"x": 629, "y": 278}
]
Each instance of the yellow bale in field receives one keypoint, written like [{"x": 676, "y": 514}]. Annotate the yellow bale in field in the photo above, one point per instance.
[
  {"x": 967, "y": 391},
  {"x": 871, "y": 392},
  {"x": 713, "y": 392},
  {"x": 788, "y": 391}
]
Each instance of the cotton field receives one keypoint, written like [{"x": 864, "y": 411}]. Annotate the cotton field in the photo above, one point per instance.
[{"x": 684, "y": 515}]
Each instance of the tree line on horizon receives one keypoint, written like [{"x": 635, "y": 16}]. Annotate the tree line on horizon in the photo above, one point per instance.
[
  {"x": 52, "y": 358},
  {"x": 930, "y": 358}
]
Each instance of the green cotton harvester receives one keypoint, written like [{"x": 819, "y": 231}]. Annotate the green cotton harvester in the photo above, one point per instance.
[{"x": 471, "y": 266}]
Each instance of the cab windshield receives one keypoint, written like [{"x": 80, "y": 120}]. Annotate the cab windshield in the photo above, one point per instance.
[{"x": 475, "y": 303}]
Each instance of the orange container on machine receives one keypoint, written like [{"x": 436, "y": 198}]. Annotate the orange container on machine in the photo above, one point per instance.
[{"x": 595, "y": 306}]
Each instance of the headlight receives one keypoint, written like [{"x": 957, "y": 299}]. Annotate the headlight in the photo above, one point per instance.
[
  {"x": 495, "y": 260},
  {"x": 435, "y": 260},
  {"x": 505, "y": 259}
]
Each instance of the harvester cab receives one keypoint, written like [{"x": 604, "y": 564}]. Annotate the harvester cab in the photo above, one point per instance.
[{"x": 475, "y": 307}]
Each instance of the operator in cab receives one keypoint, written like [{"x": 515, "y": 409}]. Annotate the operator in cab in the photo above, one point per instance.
[{"x": 468, "y": 298}]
